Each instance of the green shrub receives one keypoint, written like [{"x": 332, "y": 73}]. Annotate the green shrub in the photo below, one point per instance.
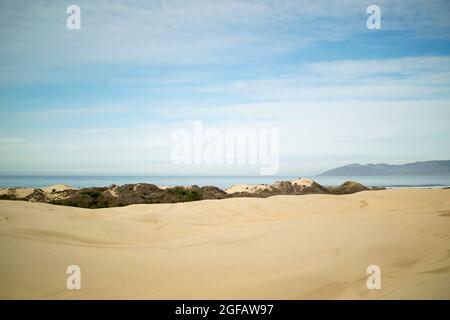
[{"x": 182, "y": 194}]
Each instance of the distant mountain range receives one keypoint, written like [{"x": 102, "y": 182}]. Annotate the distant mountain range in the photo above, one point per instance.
[{"x": 425, "y": 168}]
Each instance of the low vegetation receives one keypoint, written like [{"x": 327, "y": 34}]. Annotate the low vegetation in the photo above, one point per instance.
[{"x": 144, "y": 193}]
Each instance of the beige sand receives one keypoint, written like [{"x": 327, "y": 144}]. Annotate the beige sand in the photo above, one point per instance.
[
  {"x": 57, "y": 188},
  {"x": 249, "y": 188},
  {"x": 255, "y": 188},
  {"x": 51, "y": 192},
  {"x": 18, "y": 192},
  {"x": 283, "y": 247}
]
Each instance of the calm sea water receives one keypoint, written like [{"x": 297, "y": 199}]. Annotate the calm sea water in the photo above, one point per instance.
[{"x": 221, "y": 182}]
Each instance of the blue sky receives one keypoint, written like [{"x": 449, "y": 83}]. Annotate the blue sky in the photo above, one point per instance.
[{"x": 105, "y": 99}]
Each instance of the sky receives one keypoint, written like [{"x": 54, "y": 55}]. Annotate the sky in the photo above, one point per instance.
[{"x": 105, "y": 99}]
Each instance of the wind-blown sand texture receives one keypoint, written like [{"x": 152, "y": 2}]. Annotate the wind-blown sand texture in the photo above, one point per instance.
[{"x": 281, "y": 247}]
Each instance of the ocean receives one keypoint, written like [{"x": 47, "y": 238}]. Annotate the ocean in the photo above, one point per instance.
[{"x": 219, "y": 181}]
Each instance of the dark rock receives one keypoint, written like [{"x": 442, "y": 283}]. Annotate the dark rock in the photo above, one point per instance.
[
  {"x": 115, "y": 196},
  {"x": 348, "y": 187},
  {"x": 38, "y": 195}
]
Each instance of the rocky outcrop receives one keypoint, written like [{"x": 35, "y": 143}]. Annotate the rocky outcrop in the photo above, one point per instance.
[
  {"x": 348, "y": 187},
  {"x": 140, "y": 193},
  {"x": 38, "y": 195},
  {"x": 249, "y": 188},
  {"x": 298, "y": 186}
]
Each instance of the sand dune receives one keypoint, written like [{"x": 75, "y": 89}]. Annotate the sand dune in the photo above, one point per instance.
[
  {"x": 282, "y": 247},
  {"x": 57, "y": 188},
  {"x": 300, "y": 183}
]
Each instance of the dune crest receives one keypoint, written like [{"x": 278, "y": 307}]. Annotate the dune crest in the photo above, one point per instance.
[{"x": 127, "y": 194}]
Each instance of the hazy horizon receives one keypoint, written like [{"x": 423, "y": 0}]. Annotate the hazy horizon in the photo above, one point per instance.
[{"x": 116, "y": 174}]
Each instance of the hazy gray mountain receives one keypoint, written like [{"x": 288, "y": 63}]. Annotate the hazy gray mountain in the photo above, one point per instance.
[{"x": 426, "y": 168}]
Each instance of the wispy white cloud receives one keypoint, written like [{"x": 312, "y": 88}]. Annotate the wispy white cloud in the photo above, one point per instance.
[
  {"x": 415, "y": 80},
  {"x": 405, "y": 66},
  {"x": 399, "y": 78},
  {"x": 34, "y": 33}
]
